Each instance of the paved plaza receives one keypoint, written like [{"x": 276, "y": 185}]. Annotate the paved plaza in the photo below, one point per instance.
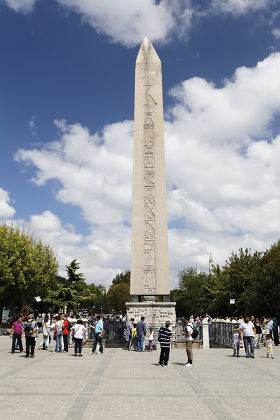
[{"x": 130, "y": 385}]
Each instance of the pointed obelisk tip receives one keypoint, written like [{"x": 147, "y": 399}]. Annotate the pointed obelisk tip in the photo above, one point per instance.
[
  {"x": 145, "y": 43},
  {"x": 147, "y": 52}
]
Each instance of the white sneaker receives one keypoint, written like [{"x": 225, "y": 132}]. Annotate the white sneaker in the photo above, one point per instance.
[{"x": 189, "y": 365}]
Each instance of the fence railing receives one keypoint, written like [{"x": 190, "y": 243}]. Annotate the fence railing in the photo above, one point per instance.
[
  {"x": 180, "y": 338},
  {"x": 221, "y": 333}
]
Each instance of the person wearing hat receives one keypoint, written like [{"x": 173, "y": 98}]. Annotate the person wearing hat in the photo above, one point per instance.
[{"x": 30, "y": 330}]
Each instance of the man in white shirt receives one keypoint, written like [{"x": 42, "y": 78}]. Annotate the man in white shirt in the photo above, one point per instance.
[
  {"x": 189, "y": 341},
  {"x": 248, "y": 332}
]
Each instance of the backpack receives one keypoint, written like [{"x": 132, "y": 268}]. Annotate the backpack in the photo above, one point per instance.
[
  {"x": 194, "y": 333},
  {"x": 28, "y": 328}
]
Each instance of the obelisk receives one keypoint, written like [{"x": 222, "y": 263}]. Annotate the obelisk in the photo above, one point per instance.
[{"x": 149, "y": 246}]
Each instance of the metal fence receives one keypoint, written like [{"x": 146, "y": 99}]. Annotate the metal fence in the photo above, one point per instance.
[
  {"x": 221, "y": 334},
  {"x": 179, "y": 329}
]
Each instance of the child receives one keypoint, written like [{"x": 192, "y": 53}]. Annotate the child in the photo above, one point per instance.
[
  {"x": 151, "y": 337},
  {"x": 269, "y": 349},
  {"x": 133, "y": 337},
  {"x": 236, "y": 342}
]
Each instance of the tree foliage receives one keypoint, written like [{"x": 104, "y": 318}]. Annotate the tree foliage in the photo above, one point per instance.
[
  {"x": 122, "y": 278},
  {"x": 72, "y": 291},
  {"x": 27, "y": 267},
  {"x": 192, "y": 294},
  {"x": 117, "y": 295},
  {"x": 252, "y": 279}
]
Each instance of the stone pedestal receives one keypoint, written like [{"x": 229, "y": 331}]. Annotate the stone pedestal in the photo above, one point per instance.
[{"x": 155, "y": 313}]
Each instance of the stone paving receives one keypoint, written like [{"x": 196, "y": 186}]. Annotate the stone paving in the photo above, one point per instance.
[{"x": 128, "y": 385}]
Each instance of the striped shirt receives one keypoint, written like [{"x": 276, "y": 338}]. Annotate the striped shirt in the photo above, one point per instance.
[{"x": 164, "y": 336}]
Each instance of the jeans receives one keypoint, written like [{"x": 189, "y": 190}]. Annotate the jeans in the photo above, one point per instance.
[
  {"x": 16, "y": 337},
  {"x": 140, "y": 342},
  {"x": 58, "y": 346},
  {"x": 164, "y": 355},
  {"x": 236, "y": 348},
  {"x": 249, "y": 341},
  {"x": 65, "y": 342},
  {"x": 97, "y": 340},
  {"x": 129, "y": 342},
  {"x": 30, "y": 345},
  {"x": 257, "y": 341},
  {"x": 78, "y": 345}
]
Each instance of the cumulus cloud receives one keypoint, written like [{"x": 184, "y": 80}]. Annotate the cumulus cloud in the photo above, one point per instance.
[
  {"x": 6, "y": 210},
  {"x": 128, "y": 21},
  {"x": 23, "y": 6},
  {"x": 222, "y": 175},
  {"x": 102, "y": 254},
  {"x": 239, "y": 7},
  {"x": 92, "y": 169},
  {"x": 276, "y": 33}
]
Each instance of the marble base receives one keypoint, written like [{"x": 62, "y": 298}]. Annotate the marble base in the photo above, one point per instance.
[{"x": 155, "y": 313}]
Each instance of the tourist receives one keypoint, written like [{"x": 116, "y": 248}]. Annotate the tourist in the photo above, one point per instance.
[
  {"x": 78, "y": 334},
  {"x": 248, "y": 332},
  {"x": 189, "y": 341},
  {"x": 106, "y": 326},
  {"x": 129, "y": 327},
  {"x": 65, "y": 332},
  {"x": 98, "y": 336},
  {"x": 91, "y": 326},
  {"x": 134, "y": 337},
  {"x": 141, "y": 332},
  {"x": 269, "y": 326},
  {"x": 30, "y": 331},
  {"x": 236, "y": 342},
  {"x": 16, "y": 334},
  {"x": 58, "y": 329},
  {"x": 258, "y": 333},
  {"x": 165, "y": 340},
  {"x": 269, "y": 348},
  {"x": 151, "y": 337},
  {"x": 275, "y": 332},
  {"x": 46, "y": 334}
]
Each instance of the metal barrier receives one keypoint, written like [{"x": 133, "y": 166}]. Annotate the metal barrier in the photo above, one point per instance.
[
  {"x": 178, "y": 329},
  {"x": 221, "y": 334}
]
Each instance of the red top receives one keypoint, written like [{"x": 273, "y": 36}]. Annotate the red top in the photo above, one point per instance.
[{"x": 65, "y": 327}]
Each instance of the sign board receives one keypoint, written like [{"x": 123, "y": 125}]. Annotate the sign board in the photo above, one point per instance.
[{"x": 232, "y": 301}]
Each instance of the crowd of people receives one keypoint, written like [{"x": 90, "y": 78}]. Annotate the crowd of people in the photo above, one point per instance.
[
  {"x": 63, "y": 330},
  {"x": 249, "y": 332}
]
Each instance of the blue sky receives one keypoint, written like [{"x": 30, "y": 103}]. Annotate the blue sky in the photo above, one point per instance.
[{"x": 66, "y": 107}]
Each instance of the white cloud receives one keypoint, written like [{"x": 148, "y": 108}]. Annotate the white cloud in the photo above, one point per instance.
[
  {"x": 6, "y": 210},
  {"x": 239, "y": 7},
  {"x": 23, "y": 6},
  {"x": 32, "y": 126},
  {"x": 222, "y": 175},
  {"x": 127, "y": 21},
  {"x": 276, "y": 33},
  {"x": 92, "y": 170}
]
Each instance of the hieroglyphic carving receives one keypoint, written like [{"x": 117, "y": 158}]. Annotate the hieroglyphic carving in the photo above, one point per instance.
[{"x": 149, "y": 193}]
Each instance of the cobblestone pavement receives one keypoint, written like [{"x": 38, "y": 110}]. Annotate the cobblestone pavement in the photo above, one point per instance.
[{"x": 130, "y": 385}]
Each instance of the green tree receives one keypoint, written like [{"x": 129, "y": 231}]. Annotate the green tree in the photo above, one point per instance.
[
  {"x": 266, "y": 287},
  {"x": 27, "y": 268},
  {"x": 122, "y": 278},
  {"x": 72, "y": 291},
  {"x": 118, "y": 294},
  {"x": 193, "y": 293},
  {"x": 236, "y": 280}
]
